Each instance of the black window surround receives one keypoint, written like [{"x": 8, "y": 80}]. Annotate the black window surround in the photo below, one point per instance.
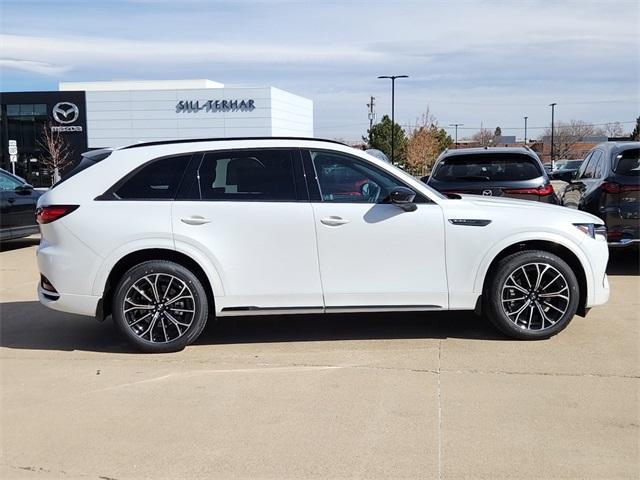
[{"x": 306, "y": 182}]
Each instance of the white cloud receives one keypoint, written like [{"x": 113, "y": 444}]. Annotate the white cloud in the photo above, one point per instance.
[
  {"x": 78, "y": 51},
  {"x": 40, "y": 68}
]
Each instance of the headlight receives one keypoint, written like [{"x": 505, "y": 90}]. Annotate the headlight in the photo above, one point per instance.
[{"x": 598, "y": 232}]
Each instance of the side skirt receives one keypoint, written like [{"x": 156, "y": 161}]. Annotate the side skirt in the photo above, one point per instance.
[{"x": 253, "y": 310}]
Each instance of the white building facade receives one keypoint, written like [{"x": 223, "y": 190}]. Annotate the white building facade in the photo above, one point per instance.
[{"x": 120, "y": 113}]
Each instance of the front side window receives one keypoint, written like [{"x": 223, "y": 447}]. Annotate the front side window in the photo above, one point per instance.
[
  {"x": 344, "y": 179},
  {"x": 7, "y": 183},
  {"x": 156, "y": 180},
  {"x": 244, "y": 175}
]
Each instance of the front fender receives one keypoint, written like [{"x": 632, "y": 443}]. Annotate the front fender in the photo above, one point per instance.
[{"x": 522, "y": 237}]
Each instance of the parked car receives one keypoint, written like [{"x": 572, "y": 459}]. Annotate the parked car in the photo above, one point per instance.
[
  {"x": 17, "y": 207},
  {"x": 515, "y": 172},
  {"x": 164, "y": 235},
  {"x": 608, "y": 185}
]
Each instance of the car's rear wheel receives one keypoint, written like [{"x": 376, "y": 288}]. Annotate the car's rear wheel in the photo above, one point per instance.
[
  {"x": 532, "y": 295},
  {"x": 160, "y": 306}
]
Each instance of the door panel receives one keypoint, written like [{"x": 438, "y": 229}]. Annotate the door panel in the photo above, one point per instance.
[
  {"x": 265, "y": 252},
  {"x": 380, "y": 255}
]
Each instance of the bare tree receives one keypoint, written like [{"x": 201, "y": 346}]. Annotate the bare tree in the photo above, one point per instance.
[
  {"x": 56, "y": 152},
  {"x": 567, "y": 136},
  {"x": 613, "y": 129},
  {"x": 484, "y": 137}
]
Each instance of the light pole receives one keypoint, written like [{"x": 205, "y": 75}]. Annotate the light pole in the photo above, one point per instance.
[
  {"x": 456, "y": 125},
  {"x": 553, "y": 111},
  {"x": 393, "y": 106},
  {"x": 525, "y": 130}
]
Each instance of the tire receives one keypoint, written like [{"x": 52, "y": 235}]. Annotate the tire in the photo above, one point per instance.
[
  {"x": 173, "y": 306},
  {"x": 520, "y": 310}
]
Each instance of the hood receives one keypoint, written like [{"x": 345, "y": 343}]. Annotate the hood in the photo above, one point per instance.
[{"x": 521, "y": 206}]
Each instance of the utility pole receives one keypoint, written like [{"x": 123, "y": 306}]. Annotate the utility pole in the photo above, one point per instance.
[
  {"x": 393, "y": 106},
  {"x": 525, "y": 130},
  {"x": 456, "y": 125},
  {"x": 553, "y": 109},
  {"x": 372, "y": 111}
]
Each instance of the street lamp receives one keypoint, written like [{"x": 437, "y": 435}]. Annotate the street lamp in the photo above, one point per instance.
[
  {"x": 393, "y": 101},
  {"x": 525, "y": 130},
  {"x": 553, "y": 110},
  {"x": 456, "y": 125}
]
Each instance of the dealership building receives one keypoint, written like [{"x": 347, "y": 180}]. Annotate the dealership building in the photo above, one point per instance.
[{"x": 90, "y": 115}]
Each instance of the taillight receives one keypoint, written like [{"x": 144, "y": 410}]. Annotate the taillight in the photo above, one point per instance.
[
  {"x": 614, "y": 236},
  {"x": 541, "y": 191},
  {"x": 614, "y": 188},
  {"x": 52, "y": 213}
]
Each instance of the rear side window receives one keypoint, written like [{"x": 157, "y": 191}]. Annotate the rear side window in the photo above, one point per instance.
[
  {"x": 591, "y": 169},
  {"x": 627, "y": 163},
  {"x": 243, "y": 175},
  {"x": 484, "y": 167},
  {"x": 156, "y": 180}
]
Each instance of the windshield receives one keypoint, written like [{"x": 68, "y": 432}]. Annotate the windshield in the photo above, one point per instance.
[
  {"x": 628, "y": 163},
  {"x": 484, "y": 167},
  {"x": 570, "y": 165}
]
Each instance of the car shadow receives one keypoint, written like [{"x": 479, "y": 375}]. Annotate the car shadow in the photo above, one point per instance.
[
  {"x": 624, "y": 261},
  {"x": 29, "y": 325}
]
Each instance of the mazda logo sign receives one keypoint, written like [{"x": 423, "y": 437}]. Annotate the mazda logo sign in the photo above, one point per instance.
[
  {"x": 487, "y": 193},
  {"x": 65, "y": 112}
]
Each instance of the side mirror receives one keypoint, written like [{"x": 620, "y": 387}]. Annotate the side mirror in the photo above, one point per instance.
[
  {"x": 425, "y": 179},
  {"x": 403, "y": 197},
  {"x": 24, "y": 189}
]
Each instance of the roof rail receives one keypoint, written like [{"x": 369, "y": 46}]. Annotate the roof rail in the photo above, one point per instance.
[{"x": 222, "y": 139}]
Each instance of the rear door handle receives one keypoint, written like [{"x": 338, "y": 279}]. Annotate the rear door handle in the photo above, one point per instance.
[
  {"x": 334, "y": 221},
  {"x": 195, "y": 220}
]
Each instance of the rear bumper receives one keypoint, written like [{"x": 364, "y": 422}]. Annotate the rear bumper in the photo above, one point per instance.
[{"x": 66, "y": 302}]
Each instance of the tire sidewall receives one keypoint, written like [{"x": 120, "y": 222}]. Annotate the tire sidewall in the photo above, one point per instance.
[{"x": 161, "y": 266}]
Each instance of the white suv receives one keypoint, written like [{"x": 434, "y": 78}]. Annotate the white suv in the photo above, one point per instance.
[{"x": 165, "y": 235}]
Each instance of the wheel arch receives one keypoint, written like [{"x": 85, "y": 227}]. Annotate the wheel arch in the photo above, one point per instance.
[
  {"x": 559, "y": 249},
  {"x": 136, "y": 257}
]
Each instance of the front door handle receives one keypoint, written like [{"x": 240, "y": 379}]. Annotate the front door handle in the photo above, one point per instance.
[
  {"x": 334, "y": 221},
  {"x": 195, "y": 220}
]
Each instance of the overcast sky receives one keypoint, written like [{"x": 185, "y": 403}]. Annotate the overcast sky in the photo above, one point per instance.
[{"x": 470, "y": 61}]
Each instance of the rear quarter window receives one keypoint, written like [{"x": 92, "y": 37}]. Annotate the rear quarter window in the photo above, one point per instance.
[
  {"x": 156, "y": 180},
  {"x": 627, "y": 163},
  {"x": 487, "y": 167}
]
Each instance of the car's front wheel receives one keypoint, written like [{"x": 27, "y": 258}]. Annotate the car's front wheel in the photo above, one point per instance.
[
  {"x": 532, "y": 295},
  {"x": 160, "y": 306}
]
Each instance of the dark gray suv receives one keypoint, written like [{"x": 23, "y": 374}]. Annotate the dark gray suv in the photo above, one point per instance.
[
  {"x": 515, "y": 172},
  {"x": 608, "y": 185}
]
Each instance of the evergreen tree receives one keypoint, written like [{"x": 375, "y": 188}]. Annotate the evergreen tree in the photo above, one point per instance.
[
  {"x": 635, "y": 135},
  {"x": 380, "y": 138}
]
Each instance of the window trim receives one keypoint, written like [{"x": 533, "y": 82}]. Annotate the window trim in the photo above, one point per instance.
[
  {"x": 314, "y": 185},
  {"x": 302, "y": 194}
]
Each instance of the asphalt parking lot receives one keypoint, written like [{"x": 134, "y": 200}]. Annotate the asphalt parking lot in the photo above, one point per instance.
[{"x": 343, "y": 396}]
